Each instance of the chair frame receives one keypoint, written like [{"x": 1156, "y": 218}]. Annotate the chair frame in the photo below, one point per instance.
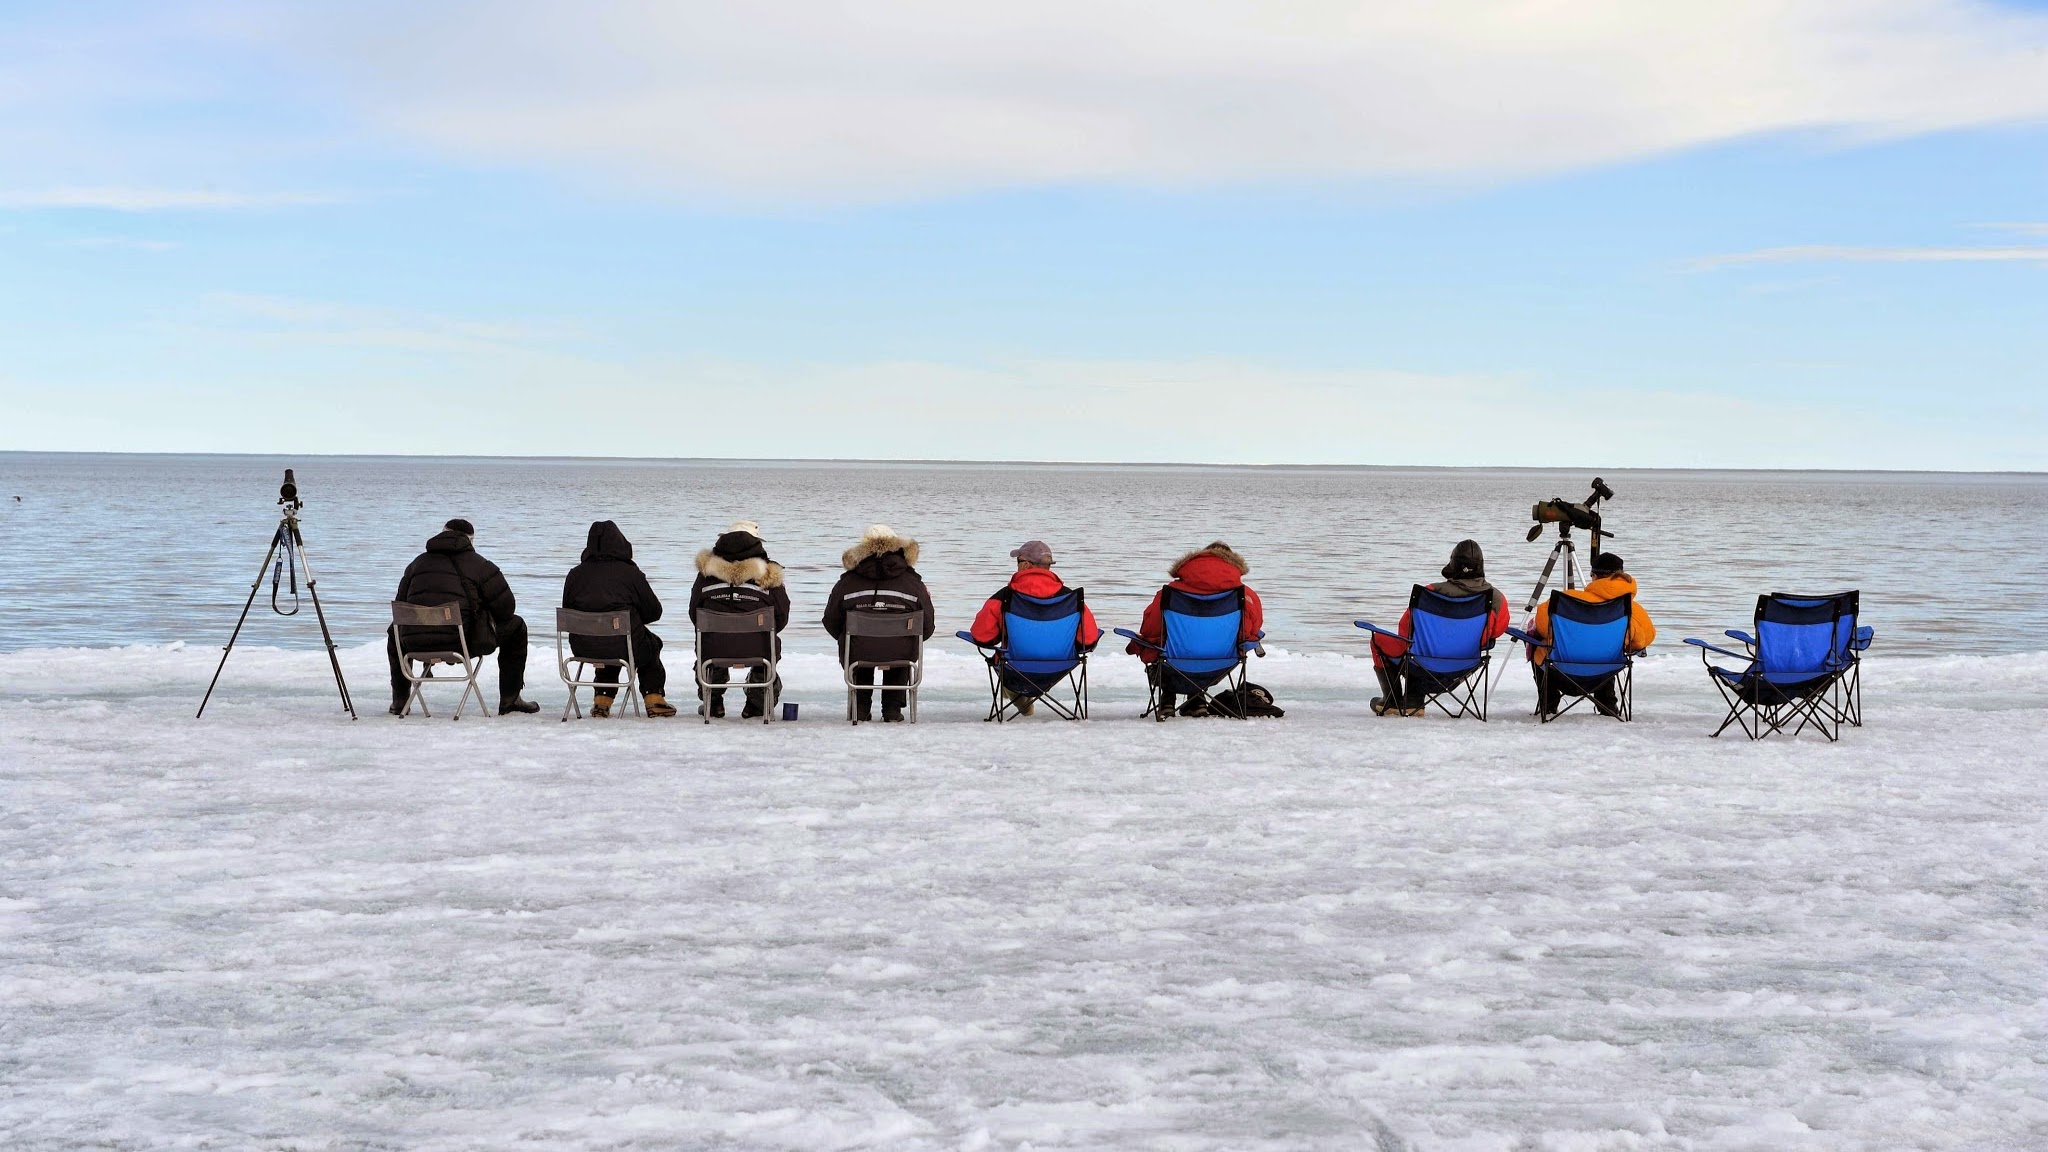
[
  {"x": 1232, "y": 680},
  {"x": 1624, "y": 678},
  {"x": 995, "y": 658},
  {"x": 438, "y": 617},
  {"x": 1832, "y": 698},
  {"x": 873, "y": 624},
  {"x": 615, "y": 625},
  {"x": 752, "y": 621},
  {"x": 1473, "y": 693}
]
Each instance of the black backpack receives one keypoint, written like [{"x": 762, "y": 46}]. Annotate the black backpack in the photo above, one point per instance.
[{"x": 1254, "y": 702}]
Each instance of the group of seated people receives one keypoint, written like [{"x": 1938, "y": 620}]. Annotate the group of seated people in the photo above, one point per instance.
[{"x": 880, "y": 574}]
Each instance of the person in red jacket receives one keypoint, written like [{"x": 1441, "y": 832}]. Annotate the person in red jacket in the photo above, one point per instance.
[
  {"x": 1034, "y": 577},
  {"x": 1465, "y": 575},
  {"x": 1217, "y": 568}
]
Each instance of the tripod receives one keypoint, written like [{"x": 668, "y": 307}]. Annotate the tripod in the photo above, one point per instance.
[
  {"x": 287, "y": 538},
  {"x": 1565, "y": 548}
]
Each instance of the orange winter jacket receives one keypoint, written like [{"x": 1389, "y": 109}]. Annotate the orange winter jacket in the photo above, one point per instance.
[{"x": 1604, "y": 588}]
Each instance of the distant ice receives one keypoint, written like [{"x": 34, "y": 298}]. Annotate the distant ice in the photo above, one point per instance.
[{"x": 277, "y": 929}]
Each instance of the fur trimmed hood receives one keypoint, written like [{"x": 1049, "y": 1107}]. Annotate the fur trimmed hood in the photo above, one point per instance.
[
  {"x": 760, "y": 572},
  {"x": 879, "y": 540},
  {"x": 1219, "y": 550}
]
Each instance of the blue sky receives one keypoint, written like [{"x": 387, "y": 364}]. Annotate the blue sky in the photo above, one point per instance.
[{"x": 1489, "y": 234}]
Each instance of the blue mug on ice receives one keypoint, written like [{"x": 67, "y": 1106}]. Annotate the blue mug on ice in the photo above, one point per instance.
[{"x": 788, "y": 711}]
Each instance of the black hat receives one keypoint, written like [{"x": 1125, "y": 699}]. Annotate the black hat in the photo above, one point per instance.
[
  {"x": 1606, "y": 564},
  {"x": 460, "y": 525},
  {"x": 1467, "y": 562}
]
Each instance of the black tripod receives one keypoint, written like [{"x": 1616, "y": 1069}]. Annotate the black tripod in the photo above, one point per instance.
[{"x": 288, "y": 538}]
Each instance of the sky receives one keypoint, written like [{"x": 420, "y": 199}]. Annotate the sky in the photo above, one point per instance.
[{"x": 1530, "y": 232}]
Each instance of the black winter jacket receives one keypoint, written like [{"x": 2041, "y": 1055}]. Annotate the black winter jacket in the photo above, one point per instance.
[
  {"x": 436, "y": 576},
  {"x": 606, "y": 581},
  {"x": 736, "y": 575},
  {"x": 880, "y": 575}
]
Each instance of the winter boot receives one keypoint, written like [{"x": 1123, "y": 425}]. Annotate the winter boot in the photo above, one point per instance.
[
  {"x": 657, "y": 705},
  {"x": 600, "y": 704},
  {"x": 517, "y": 703}
]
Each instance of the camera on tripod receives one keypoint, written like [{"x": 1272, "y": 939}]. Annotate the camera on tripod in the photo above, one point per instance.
[
  {"x": 288, "y": 492},
  {"x": 1567, "y": 515}
]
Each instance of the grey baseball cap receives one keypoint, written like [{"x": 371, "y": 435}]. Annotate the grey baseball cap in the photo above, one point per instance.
[{"x": 1033, "y": 552}]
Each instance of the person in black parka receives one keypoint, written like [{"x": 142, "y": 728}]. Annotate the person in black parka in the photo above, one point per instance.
[
  {"x": 736, "y": 575},
  {"x": 450, "y": 571},
  {"x": 607, "y": 580},
  {"x": 881, "y": 575}
]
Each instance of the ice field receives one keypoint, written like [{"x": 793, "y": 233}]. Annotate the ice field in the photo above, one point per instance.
[{"x": 277, "y": 929}]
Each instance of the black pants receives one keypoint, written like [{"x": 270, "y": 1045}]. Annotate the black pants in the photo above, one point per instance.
[
  {"x": 1414, "y": 689},
  {"x": 1171, "y": 683},
  {"x": 892, "y": 702},
  {"x": 511, "y": 661},
  {"x": 646, "y": 663},
  {"x": 1551, "y": 691}
]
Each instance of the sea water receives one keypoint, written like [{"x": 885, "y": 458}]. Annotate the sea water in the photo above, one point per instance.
[{"x": 120, "y": 550}]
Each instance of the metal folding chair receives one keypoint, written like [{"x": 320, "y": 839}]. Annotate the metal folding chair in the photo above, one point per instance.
[
  {"x": 758, "y": 623},
  {"x": 867, "y": 624},
  {"x": 1039, "y": 644},
  {"x": 1804, "y": 667},
  {"x": 614, "y": 627},
  {"x": 1448, "y": 653},
  {"x": 435, "y": 618},
  {"x": 1587, "y": 653}
]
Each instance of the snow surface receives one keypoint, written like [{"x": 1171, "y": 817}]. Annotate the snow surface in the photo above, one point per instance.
[{"x": 276, "y": 929}]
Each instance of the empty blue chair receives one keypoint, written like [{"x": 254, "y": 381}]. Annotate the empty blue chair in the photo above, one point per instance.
[
  {"x": 1202, "y": 648},
  {"x": 1586, "y": 654},
  {"x": 1038, "y": 651},
  {"x": 1802, "y": 667},
  {"x": 1448, "y": 647}
]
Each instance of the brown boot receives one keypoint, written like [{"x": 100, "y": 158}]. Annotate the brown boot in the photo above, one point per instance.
[
  {"x": 657, "y": 705},
  {"x": 600, "y": 704}
]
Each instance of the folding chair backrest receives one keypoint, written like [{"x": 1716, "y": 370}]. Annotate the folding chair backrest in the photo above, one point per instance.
[
  {"x": 426, "y": 615},
  {"x": 1586, "y": 636},
  {"x": 1805, "y": 634},
  {"x": 1202, "y": 629},
  {"x": 1042, "y": 633},
  {"x": 610, "y": 625},
  {"x": 760, "y": 623},
  {"x": 863, "y": 623},
  {"x": 1447, "y": 633}
]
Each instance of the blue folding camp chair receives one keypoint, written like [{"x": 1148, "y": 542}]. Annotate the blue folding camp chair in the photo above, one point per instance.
[
  {"x": 1803, "y": 665},
  {"x": 1587, "y": 652},
  {"x": 1448, "y": 653},
  {"x": 1202, "y": 648},
  {"x": 1036, "y": 654}
]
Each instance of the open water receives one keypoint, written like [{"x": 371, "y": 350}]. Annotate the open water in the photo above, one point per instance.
[{"x": 118, "y": 550}]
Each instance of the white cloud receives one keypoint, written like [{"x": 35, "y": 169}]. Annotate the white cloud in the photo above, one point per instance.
[
  {"x": 123, "y": 199},
  {"x": 292, "y": 320},
  {"x": 1826, "y": 253},
  {"x": 821, "y": 101}
]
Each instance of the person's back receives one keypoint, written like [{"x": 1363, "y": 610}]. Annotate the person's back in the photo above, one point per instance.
[
  {"x": 1034, "y": 577},
  {"x": 1462, "y": 576},
  {"x": 451, "y": 571},
  {"x": 736, "y": 575},
  {"x": 1205, "y": 572},
  {"x": 1611, "y": 581},
  {"x": 606, "y": 579},
  {"x": 880, "y": 575}
]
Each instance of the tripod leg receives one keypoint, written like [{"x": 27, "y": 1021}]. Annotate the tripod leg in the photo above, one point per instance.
[
  {"x": 243, "y": 619},
  {"x": 326, "y": 637}
]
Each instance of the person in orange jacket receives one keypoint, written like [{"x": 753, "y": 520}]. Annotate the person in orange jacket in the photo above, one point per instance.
[
  {"x": 1463, "y": 575},
  {"x": 1217, "y": 568},
  {"x": 1034, "y": 577},
  {"x": 1610, "y": 581}
]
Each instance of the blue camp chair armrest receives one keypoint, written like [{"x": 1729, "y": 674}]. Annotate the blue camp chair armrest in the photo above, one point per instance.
[
  {"x": 1738, "y": 634},
  {"x": 1863, "y": 638},
  {"x": 1528, "y": 639},
  {"x": 1369, "y": 626},
  {"x": 1697, "y": 643},
  {"x": 1137, "y": 639},
  {"x": 969, "y": 637}
]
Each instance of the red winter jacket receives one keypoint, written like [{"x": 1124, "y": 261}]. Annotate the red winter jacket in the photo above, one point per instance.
[
  {"x": 1216, "y": 568},
  {"x": 1043, "y": 583}
]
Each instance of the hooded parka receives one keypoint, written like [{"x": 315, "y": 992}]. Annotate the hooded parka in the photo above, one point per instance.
[{"x": 1217, "y": 568}]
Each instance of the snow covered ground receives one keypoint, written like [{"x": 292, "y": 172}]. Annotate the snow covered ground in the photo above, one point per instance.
[{"x": 277, "y": 929}]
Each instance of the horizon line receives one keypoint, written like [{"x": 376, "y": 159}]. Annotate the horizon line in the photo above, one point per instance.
[{"x": 964, "y": 462}]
